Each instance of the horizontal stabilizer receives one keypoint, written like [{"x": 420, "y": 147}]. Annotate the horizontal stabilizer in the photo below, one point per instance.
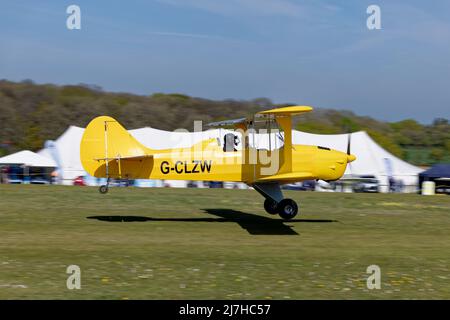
[{"x": 125, "y": 158}]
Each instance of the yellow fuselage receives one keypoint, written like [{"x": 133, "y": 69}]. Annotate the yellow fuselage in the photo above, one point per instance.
[{"x": 211, "y": 163}]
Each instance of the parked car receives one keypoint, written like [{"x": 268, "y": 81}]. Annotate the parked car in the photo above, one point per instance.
[
  {"x": 14, "y": 179},
  {"x": 121, "y": 183},
  {"x": 307, "y": 185},
  {"x": 192, "y": 184},
  {"x": 366, "y": 183},
  {"x": 442, "y": 186},
  {"x": 79, "y": 181},
  {"x": 215, "y": 184},
  {"x": 15, "y": 175},
  {"x": 39, "y": 180}
]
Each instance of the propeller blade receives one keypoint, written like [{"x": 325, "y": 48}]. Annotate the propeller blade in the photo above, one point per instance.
[{"x": 349, "y": 142}]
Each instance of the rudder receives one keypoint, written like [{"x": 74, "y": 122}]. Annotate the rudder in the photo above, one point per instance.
[{"x": 104, "y": 141}]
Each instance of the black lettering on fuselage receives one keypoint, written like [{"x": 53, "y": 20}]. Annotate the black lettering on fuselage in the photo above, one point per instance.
[
  {"x": 195, "y": 170},
  {"x": 177, "y": 169},
  {"x": 165, "y": 168},
  {"x": 186, "y": 168},
  {"x": 199, "y": 166},
  {"x": 206, "y": 165}
]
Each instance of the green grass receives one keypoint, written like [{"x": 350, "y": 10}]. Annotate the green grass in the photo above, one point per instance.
[{"x": 220, "y": 244}]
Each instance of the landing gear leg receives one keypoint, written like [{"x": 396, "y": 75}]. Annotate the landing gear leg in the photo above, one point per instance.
[{"x": 275, "y": 203}]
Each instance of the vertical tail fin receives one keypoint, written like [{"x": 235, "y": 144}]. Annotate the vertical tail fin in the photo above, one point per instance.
[{"x": 105, "y": 141}]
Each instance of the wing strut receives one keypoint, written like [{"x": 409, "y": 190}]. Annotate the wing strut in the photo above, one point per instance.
[{"x": 106, "y": 153}]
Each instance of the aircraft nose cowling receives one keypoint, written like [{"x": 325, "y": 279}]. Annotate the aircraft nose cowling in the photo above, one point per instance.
[{"x": 351, "y": 158}]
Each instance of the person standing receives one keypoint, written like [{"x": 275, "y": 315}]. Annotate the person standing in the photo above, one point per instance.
[{"x": 4, "y": 175}]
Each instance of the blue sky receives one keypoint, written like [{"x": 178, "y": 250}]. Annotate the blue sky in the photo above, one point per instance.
[{"x": 317, "y": 53}]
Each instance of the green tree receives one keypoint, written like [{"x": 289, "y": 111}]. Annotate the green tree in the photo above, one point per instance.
[
  {"x": 386, "y": 143},
  {"x": 437, "y": 154}
]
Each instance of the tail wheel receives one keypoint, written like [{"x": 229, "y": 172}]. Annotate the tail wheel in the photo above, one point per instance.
[
  {"x": 103, "y": 189},
  {"x": 270, "y": 206},
  {"x": 287, "y": 209}
]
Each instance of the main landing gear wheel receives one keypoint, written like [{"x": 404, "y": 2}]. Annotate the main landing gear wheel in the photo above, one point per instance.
[
  {"x": 103, "y": 189},
  {"x": 287, "y": 209},
  {"x": 270, "y": 206}
]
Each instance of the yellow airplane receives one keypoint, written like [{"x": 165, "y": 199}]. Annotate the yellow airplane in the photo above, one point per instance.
[{"x": 108, "y": 150}]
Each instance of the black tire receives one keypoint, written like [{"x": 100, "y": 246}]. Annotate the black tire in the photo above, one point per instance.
[
  {"x": 103, "y": 189},
  {"x": 287, "y": 209},
  {"x": 271, "y": 206}
]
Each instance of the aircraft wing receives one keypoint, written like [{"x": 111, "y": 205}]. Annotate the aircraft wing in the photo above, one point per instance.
[
  {"x": 291, "y": 176},
  {"x": 227, "y": 122},
  {"x": 287, "y": 111}
]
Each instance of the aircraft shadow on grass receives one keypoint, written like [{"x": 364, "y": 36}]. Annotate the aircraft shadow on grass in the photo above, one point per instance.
[{"x": 254, "y": 224}]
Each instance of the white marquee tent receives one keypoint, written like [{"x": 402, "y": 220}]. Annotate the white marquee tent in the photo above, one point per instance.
[
  {"x": 371, "y": 158},
  {"x": 29, "y": 159},
  {"x": 65, "y": 151}
]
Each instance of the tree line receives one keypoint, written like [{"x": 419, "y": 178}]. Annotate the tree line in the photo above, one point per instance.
[{"x": 32, "y": 113}]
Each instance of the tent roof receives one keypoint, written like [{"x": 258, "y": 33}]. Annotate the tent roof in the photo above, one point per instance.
[
  {"x": 28, "y": 158},
  {"x": 66, "y": 153},
  {"x": 437, "y": 171}
]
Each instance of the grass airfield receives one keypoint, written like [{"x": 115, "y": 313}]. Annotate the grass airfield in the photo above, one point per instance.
[{"x": 220, "y": 244}]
